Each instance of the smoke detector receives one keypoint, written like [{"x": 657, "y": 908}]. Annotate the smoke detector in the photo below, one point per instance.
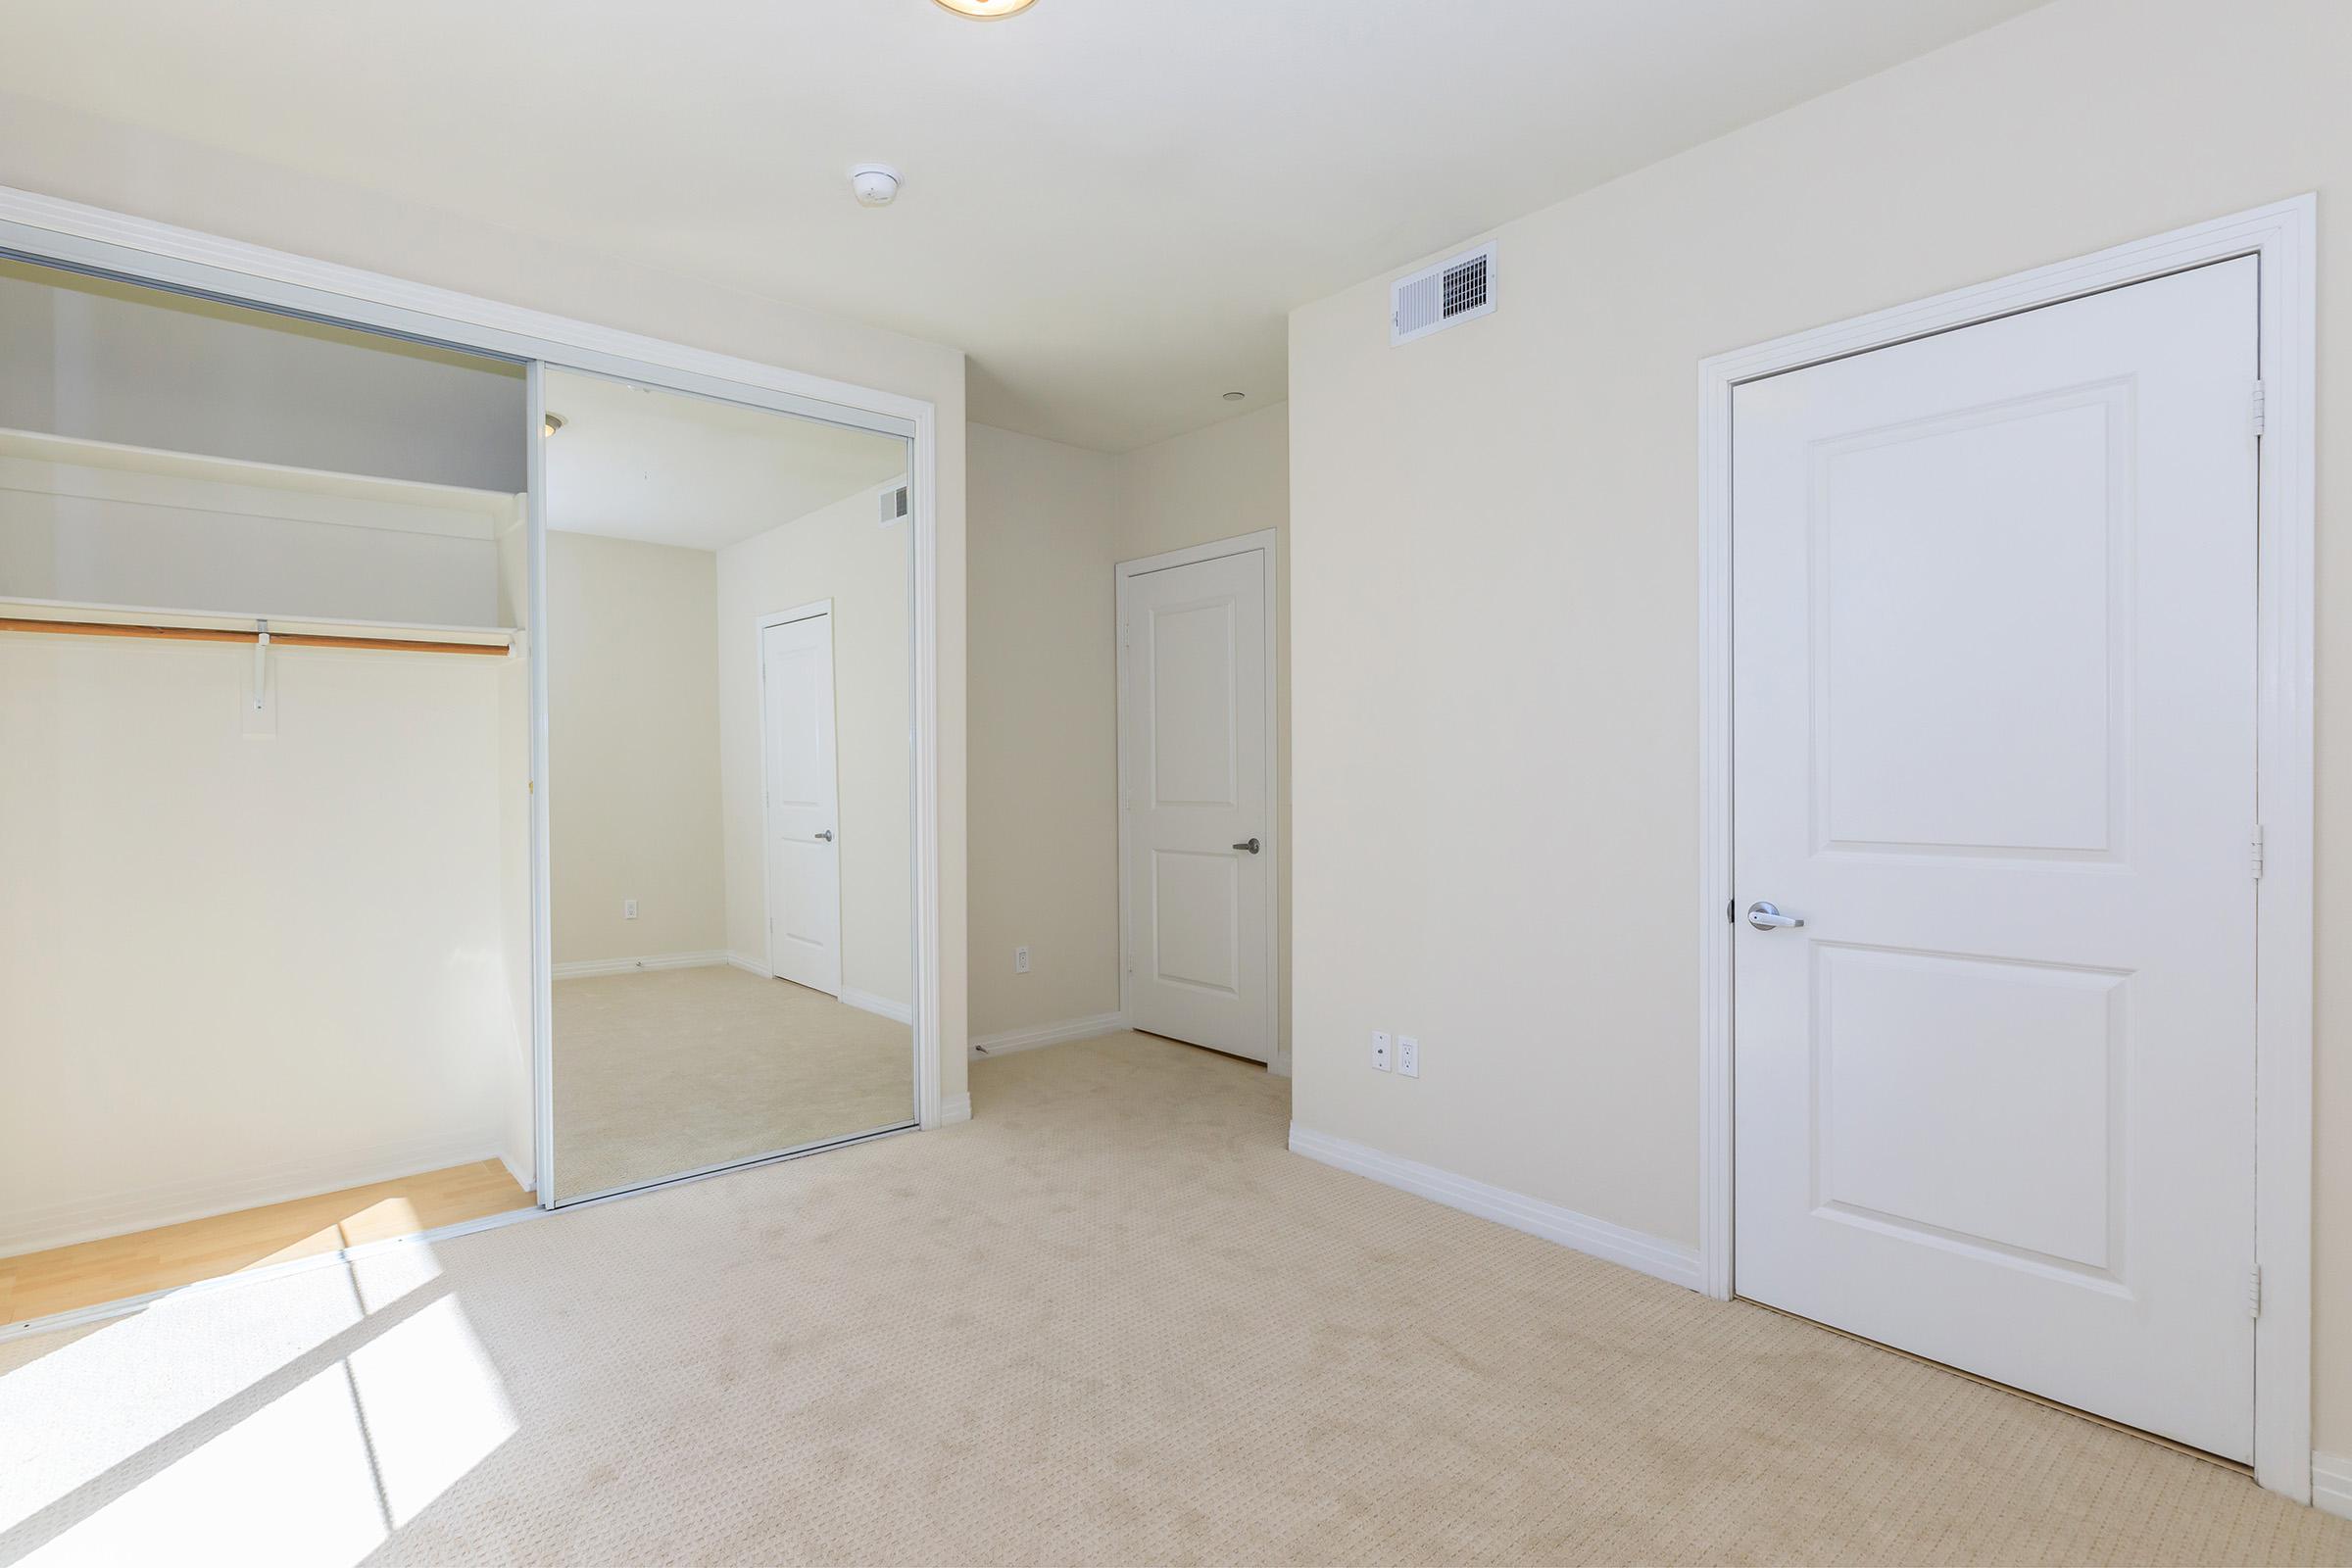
[{"x": 874, "y": 184}]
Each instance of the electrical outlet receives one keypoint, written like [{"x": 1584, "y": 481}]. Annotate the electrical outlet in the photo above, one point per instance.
[
  {"x": 1408, "y": 1055},
  {"x": 1380, "y": 1051},
  {"x": 628, "y": 908},
  {"x": 1021, "y": 961}
]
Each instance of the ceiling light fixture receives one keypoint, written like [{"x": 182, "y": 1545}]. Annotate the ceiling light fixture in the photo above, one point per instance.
[
  {"x": 986, "y": 9},
  {"x": 1235, "y": 397},
  {"x": 551, "y": 425}
]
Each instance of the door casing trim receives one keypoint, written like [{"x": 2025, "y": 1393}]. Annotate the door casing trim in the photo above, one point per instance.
[
  {"x": 1278, "y": 1057},
  {"x": 2283, "y": 237}
]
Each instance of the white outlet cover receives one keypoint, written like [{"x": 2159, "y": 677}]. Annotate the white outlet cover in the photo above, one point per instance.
[
  {"x": 628, "y": 908},
  {"x": 1021, "y": 961},
  {"x": 1408, "y": 1055},
  {"x": 1380, "y": 1051}
]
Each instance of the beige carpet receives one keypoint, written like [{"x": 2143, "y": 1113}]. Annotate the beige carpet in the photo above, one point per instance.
[
  {"x": 1110, "y": 1320},
  {"x": 668, "y": 1071}
]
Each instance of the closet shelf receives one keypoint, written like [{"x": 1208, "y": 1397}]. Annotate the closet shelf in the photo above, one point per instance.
[{"x": 111, "y": 471}]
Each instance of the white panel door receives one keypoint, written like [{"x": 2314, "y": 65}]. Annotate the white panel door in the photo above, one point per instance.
[
  {"x": 803, "y": 856},
  {"x": 1995, "y": 708},
  {"x": 1199, "y": 818}
]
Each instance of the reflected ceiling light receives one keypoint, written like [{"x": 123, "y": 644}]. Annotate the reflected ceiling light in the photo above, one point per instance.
[
  {"x": 986, "y": 9},
  {"x": 552, "y": 424}
]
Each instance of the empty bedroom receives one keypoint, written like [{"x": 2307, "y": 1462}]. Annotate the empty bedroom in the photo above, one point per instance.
[{"x": 1081, "y": 781}]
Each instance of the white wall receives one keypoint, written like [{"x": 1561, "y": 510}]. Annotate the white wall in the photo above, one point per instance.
[
  {"x": 82, "y": 158},
  {"x": 518, "y": 1148},
  {"x": 519, "y": 1127},
  {"x": 842, "y": 553},
  {"x": 1049, "y": 522},
  {"x": 1497, "y": 595},
  {"x": 1045, "y": 779},
  {"x": 235, "y": 970},
  {"x": 113, "y": 362},
  {"x": 632, "y": 740}
]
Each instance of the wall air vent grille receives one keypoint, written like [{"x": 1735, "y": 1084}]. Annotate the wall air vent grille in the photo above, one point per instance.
[
  {"x": 894, "y": 505},
  {"x": 1436, "y": 297}
]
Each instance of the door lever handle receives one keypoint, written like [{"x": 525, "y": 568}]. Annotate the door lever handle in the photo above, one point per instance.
[
  {"x": 1768, "y": 917},
  {"x": 1247, "y": 844}
]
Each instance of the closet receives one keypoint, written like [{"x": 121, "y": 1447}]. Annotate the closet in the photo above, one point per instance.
[
  {"x": 264, "y": 914},
  {"x": 432, "y": 784}
]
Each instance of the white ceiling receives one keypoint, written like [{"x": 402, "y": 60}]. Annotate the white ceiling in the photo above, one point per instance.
[
  {"x": 1110, "y": 204},
  {"x": 633, "y": 463}
]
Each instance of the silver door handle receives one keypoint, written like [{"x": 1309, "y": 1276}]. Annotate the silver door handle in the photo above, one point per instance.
[
  {"x": 1768, "y": 917},
  {"x": 1247, "y": 844},
  {"x": 827, "y": 836}
]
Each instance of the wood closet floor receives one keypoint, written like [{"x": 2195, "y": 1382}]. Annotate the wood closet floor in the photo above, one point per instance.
[{"x": 36, "y": 1284}]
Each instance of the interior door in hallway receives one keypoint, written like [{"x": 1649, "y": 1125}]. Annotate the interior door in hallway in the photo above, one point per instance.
[
  {"x": 804, "y": 849},
  {"x": 1993, "y": 599},
  {"x": 1196, "y": 813}
]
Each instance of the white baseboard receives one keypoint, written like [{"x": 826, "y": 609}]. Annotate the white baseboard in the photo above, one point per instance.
[
  {"x": 1650, "y": 1255},
  {"x": 1048, "y": 1034},
  {"x": 2331, "y": 1484},
  {"x": 522, "y": 1178},
  {"x": 34, "y": 1230},
  {"x": 868, "y": 1001},
  {"x": 954, "y": 1108},
  {"x": 582, "y": 968},
  {"x": 864, "y": 1001}
]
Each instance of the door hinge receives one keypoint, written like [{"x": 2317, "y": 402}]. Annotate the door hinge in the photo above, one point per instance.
[
  {"x": 2261, "y": 413},
  {"x": 2256, "y": 847},
  {"x": 2254, "y": 1290}
]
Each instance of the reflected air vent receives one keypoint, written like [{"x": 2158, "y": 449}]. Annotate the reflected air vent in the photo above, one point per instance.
[
  {"x": 1436, "y": 297},
  {"x": 894, "y": 505}
]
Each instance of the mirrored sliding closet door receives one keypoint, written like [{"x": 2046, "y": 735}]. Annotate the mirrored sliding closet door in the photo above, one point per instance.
[{"x": 730, "y": 811}]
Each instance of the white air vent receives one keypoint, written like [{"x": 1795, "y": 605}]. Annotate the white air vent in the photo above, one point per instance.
[
  {"x": 894, "y": 505},
  {"x": 1436, "y": 297}
]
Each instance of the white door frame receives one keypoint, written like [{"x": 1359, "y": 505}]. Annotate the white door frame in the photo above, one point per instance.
[
  {"x": 1279, "y": 1057},
  {"x": 2281, "y": 236},
  {"x": 767, "y": 825},
  {"x": 47, "y": 230}
]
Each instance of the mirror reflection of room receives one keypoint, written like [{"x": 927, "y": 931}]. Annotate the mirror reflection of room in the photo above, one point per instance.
[{"x": 729, "y": 801}]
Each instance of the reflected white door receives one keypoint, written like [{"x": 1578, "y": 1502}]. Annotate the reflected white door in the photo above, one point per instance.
[
  {"x": 1993, "y": 688},
  {"x": 804, "y": 852},
  {"x": 1195, "y": 769}
]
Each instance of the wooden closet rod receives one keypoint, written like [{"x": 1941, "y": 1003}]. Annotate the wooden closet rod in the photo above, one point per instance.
[{"x": 216, "y": 634}]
